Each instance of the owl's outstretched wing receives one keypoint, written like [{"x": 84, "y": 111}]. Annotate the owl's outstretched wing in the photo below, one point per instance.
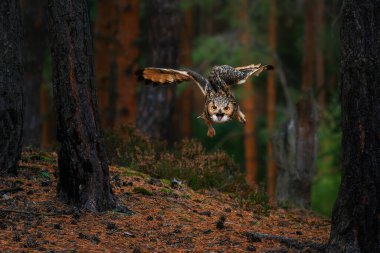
[
  {"x": 161, "y": 76},
  {"x": 231, "y": 76}
]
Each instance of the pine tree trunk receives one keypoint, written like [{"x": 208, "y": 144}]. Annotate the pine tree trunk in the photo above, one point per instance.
[
  {"x": 186, "y": 98},
  {"x": 126, "y": 59},
  {"x": 248, "y": 106},
  {"x": 156, "y": 104},
  {"x": 355, "y": 220},
  {"x": 271, "y": 103},
  {"x": 106, "y": 26},
  {"x": 11, "y": 100},
  {"x": 83, "y": 169},
  {"x": 319, "y": 57},
  {"x": 34, "y": 49},
  {"x": 295, "y": 146}
]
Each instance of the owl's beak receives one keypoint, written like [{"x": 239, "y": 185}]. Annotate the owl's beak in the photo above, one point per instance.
[{"x": 219, "y": 116}]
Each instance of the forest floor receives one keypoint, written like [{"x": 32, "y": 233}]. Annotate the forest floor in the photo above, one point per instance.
[{"x": 153, "y": 216}]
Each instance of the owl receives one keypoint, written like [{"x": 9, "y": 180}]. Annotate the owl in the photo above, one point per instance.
[{"x": 220, "y": 103}]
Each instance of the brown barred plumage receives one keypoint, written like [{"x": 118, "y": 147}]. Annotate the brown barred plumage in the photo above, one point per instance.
[{"x": 220, "y": 103}]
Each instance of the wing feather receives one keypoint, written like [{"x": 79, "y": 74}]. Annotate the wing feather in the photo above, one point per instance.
[{"x": 162, "y": 76}]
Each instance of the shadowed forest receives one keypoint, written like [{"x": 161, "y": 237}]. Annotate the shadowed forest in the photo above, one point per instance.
[{"x": 129, "y": 166}]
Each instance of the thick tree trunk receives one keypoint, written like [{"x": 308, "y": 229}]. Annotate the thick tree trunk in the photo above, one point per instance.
[
  {"x": 82, "y": 160},
  {"x": 355, "y": 219},
  {"x": 34, "y": 49},
  {"x": 156, "y": 104},
  {"x": 11, "y": 97},
  {"x": 271, "y": 103}
]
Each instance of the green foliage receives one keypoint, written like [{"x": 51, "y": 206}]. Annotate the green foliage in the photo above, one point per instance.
[
  {"x": 142, "y": 191},
  {"x": 326, "y": 183}
]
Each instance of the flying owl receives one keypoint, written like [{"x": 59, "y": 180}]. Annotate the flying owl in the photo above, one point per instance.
[{"x": 220, "y": 102}]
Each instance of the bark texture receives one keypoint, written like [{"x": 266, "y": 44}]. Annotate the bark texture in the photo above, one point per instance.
[
  {"x": 34, "y": 49},
  {"x": 355, "y": 219},
  {"x": 271, "y": 103},
  {"x": 83, "y": 169},
  {"x": 156, "y": 104},
  {"x": 11, "y": 97}
]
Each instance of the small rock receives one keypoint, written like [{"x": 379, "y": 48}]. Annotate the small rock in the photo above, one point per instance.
[
  {"x": 220, "y": 223},
  {"x": 57, "y": 226},
  {"x": 155, "y": 181},
  {"x": 252, "y": 237},
  {"x": 6, "y": 197},
  {"x": 251, "y": 248},
  {"x": 111, "y": 225},
  {"x": 31, "y": 243},
  {"x": 95, "y": 239},
  {"x": 136, "y": 250},
  {"x": 3, "y": 225},
  {"x": 149, "y": 218},
  {"x": 298, "y": 232},
  {"x": 206, "y": 213},
  {"x": 123, "y": 209},
  {"x": 130, "y": 183},
  {"x": 207, "y": 231},
  {"x": 16, "y": 238},
  {"x": 175, "y": 183},
  {"x": 45, "y": 183}
]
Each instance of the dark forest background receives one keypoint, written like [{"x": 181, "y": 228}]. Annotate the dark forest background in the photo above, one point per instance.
[{"x": 300, "y": 38}]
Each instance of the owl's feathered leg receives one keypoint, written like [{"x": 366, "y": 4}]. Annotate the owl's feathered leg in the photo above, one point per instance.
[
  {"x": 210, "y": 130},
  {"x": 240, "y": 116}
]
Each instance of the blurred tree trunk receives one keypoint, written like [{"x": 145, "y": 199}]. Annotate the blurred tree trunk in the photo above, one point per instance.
[
  {"x": 250, "y": 140},
  {"x": 11, "y": 102},
  {"x": 319, "y": 58},
  {"x": 355, "y": 220},
  {"x": 271, "y": 103},
  {"x": 126, "y": 59},
  {"x": 48, "y": 118},
  {"x": 296, "y": 143},
  {"x": 183, "y": 113},
  {"x": 34, "y": 49},
  {"x": 105, "y": 63},
  {"x": 82, "y": 160},
  {"x": 156, "y": 105}
]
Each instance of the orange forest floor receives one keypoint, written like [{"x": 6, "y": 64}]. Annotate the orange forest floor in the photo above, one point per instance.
[{"x": 164, "y": 217}]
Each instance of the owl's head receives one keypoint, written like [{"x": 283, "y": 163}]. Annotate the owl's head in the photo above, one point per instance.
[{"x": 221, "y": 108}]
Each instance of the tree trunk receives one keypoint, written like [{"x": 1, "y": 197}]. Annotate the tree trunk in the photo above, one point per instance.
[
  {"x": 250, "y": 140},
  {"x": 34, "y": 49},
  {"x": 11, "y": 102},
  {"x": 271, "y": 103},
  {"x": 309, "y": 46},
  {"x": 156, "y": 104},
  {"x": 126, "y": 59},
  {"x": 186, "y": 97},
  {"x": 319, "y": 58},
  {"x": 83, "y": 169},
  {"x": 355, "y": 220}
]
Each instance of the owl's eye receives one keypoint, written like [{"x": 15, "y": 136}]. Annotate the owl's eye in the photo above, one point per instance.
[
  {"x": 226, "y": 108},
  {"x": 213, "y": 107}
]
